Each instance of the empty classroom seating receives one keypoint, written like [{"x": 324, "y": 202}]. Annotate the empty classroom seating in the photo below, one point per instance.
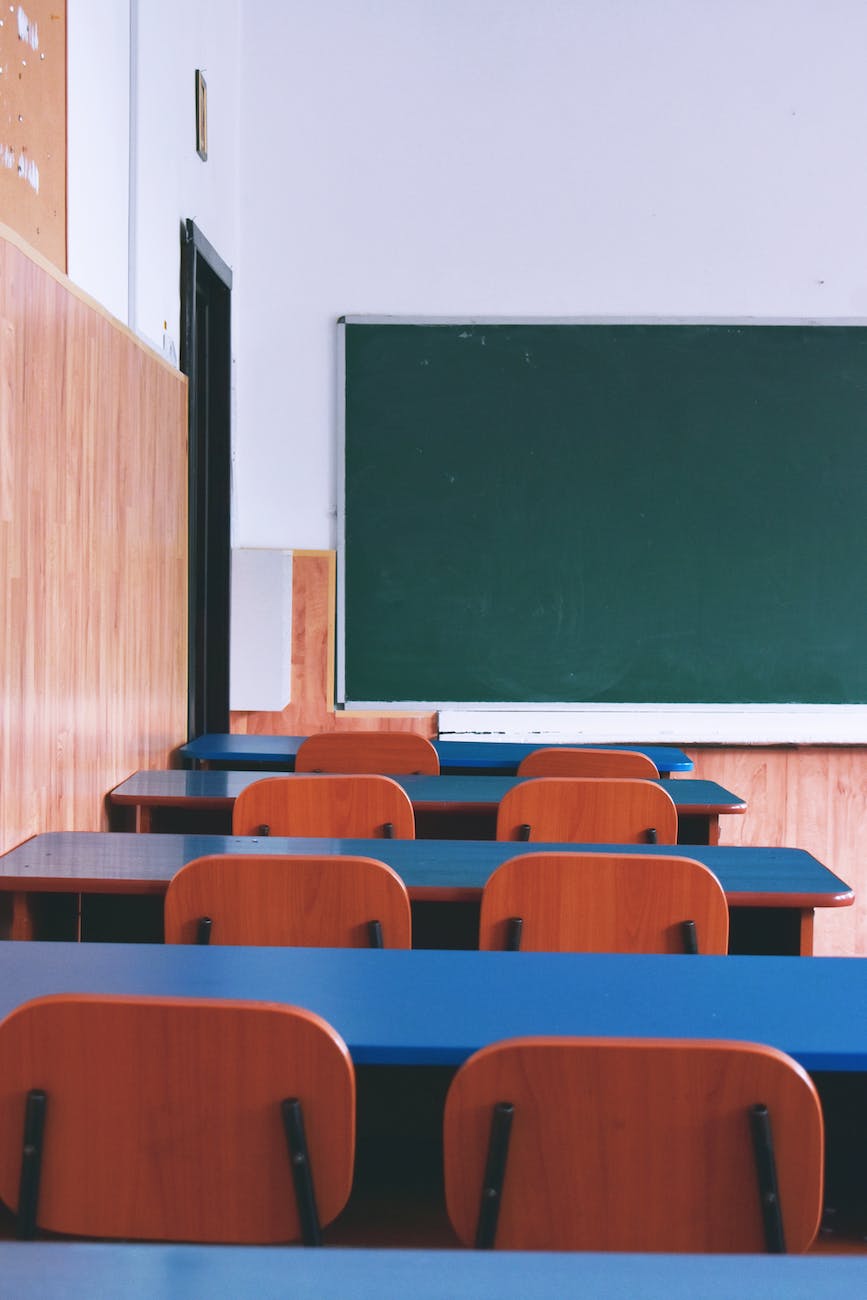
[
  {"x": 631, "y": 1144},
  {"x": 357, "y": 806},
  {"x": 317, "y": 902},
  {"x": 590, "y": 810},
  {"x": 603, "y": 902}
]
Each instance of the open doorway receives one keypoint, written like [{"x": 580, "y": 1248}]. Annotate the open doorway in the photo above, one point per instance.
[{"x": 206, "y": 359}]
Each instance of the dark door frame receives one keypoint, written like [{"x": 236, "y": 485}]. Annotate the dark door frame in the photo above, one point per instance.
[{"x": 206, "y": 360}]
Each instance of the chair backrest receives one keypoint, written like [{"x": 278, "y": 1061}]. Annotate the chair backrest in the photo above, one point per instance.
[
  {"x": 326, "y": 901},
  {"x": 628, "y": 1144},
  {"x": 390, "y": 752},
  {"x": 604, "y": 902},
  {"x": 354, "y": 807},
  {"x": 588, "y": 810},
  {"x": 559, "y": 760},
  {"x": 164, "y": 1117}
]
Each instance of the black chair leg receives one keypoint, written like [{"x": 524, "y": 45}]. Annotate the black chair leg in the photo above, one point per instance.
[
  {"x": 514, "y": 930},
  {"x": 766, "y": 1176},
  {"x": 374, "y": 934},
  {"x": 651, "y": 835},
  {"x": 31, "y": 1164},
  {"x": 203, "y": 930},
  {"x": 302, "y": 1174},
  {"x": 495, "y": 1172},
  {"x": 690, "y": 937},
  {"x": 524, "y": 831}
]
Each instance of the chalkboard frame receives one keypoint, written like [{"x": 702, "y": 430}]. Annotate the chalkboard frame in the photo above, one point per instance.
[{"x": 711, "y": 722}]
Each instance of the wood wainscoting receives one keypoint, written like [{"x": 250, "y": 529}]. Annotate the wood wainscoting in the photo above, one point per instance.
[
  {"x": 93, "y": 552},
  {"x": 811, "y": 797}
]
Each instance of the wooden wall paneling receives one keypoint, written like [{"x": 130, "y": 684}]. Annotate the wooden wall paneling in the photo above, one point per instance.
[
  {"x": 807, "y": 797},
  {"x": 828, "y": 809},
  {"x": 314, "y": 585},
  {"x": 93, "y": 552},
  {"x": 33, "y": 124},
  {"x": 760, "y": 775}
]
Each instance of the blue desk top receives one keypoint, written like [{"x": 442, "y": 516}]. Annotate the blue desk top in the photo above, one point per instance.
[
  {"x": 176, "y": 786},
  {"x": 94, "y": 860},
  {"x": 428, "y": 1007},
  {"x": 493, "y": 756},
  {"x": 83, "y": 1270},
  {"x": 503, "y": 756}
]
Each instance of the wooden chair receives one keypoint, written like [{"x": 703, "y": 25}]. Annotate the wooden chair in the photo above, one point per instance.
[
  {"x": 313, "y": 902},
  {"x": 628, "y": 1144},
  {"x": 353, "y": 807},
  {"x": 174, "y": 1119},
  {"x": 562, "y": 761},
  {"x": 588, "y": 810},
  {"x": 603, "y": 902},
  {"x": 395, "y": 753}
]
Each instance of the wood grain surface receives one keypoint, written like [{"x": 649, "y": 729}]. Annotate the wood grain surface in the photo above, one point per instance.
[
  {"x": 163, "y": 1117},
  {"x": 93, "y": 552},
  {"x": 590, "y": 810},
  {"x": 33, "y": 124},
  {"x": 805, "y": 797},
  {"x": 604, "y": 902},
  {"x": 321, "y": 901},
  {"x": 633, "y": 1144},
  {"x": 341, "y": 805}
]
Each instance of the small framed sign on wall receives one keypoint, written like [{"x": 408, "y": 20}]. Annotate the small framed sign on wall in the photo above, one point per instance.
[{"x": 201, "y": 116}]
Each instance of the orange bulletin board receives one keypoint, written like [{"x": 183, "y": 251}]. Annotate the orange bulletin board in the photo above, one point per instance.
[{"x": 33, "y": 124}]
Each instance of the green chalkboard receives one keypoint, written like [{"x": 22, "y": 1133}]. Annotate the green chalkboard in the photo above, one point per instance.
[{"x": 571, "y": 512}]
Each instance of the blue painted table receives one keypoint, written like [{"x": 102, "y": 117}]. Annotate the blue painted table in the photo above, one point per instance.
[
  {"x": 83, "y": 1270},
  {"x": 771, "y": 891},
  {"x": 411, "y": 1016},
  {"x": 450, "y": 802},
  {"x": 494, "y": 757},
  {"x": 404, "y": 1007}
]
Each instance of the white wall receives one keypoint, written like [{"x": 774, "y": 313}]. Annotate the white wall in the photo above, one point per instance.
[
  {"x": 147, "y": 116},
  {"x": 98, "y": 149},
  {"x": 560, "y": 157},
  {"x": 261, "y": 631},
  {"x": 457, "y": 157},
  {"x": 174, "y": 38},
  {"x": 566, "y": 157}
]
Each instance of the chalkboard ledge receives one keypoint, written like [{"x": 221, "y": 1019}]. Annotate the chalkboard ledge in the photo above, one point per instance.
[{"x": 674, "y": 724}]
